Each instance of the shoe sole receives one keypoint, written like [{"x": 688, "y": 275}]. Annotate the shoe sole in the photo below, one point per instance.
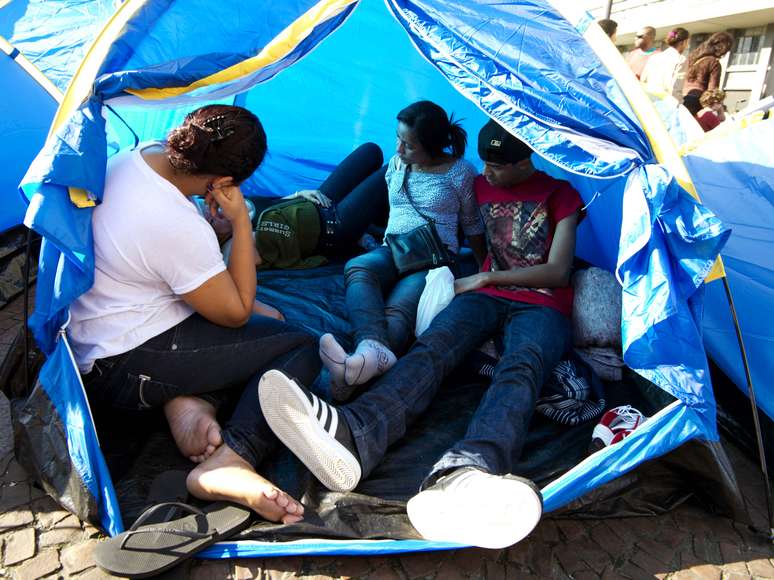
[
  {"x": 289, "y": 414},
  {"x": 495, "y": 514}
]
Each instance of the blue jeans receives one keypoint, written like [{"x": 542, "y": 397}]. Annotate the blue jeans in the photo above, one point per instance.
[
  {"x": 381, "y": 305},
  {"x": 535, "y": 337},
  {"x": 197, "y": 357}
]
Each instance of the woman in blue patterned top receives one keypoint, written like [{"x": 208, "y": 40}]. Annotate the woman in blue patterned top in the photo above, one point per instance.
[{"x": 427, "y": 174}]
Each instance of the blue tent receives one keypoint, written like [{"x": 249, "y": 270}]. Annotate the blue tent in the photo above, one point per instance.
[
  {"x": 541, "y": 68},
  {"x": 736, "y": 178}
]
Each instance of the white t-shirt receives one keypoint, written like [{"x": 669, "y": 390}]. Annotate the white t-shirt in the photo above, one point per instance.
[
  {"x": 662, "y": 73},
  {"x": 150, "y": 246}
]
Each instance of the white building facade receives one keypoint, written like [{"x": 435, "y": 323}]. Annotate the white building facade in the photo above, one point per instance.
[{"x": 747, "y": 69}]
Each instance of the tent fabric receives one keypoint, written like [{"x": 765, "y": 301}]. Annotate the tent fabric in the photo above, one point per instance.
[
  {"x": 54, "y": 34},
  {"x": 735, "y": 174},
  {"x": 24, "y": 121},
  {"x": 552, "y": 89}
]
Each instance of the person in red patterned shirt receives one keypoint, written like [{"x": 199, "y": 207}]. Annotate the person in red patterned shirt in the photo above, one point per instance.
[{"x": 523, "y": 294}]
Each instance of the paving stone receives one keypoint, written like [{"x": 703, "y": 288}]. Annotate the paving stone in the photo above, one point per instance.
[
  {"x": 735, "y": 568},
  {"x": 99, "y": 574},
  {"x": 419, "y": 565},
  {"x": 362, "y": 567},
  {"x": 495, "y": 569},
  {"x": 547, "y": 531},
  {"x": 14, "y": 495},
  {"x": 762, "y": 568},
  {"x": 19, "y": 546},
  {"x": 707, "y": 572},
  {"x": 645, "y": 561},
  {"x": 632, "y": 571},
  {"x": 570, "y": 559},
  {"x": 48, "y": 519},
  {"x": 15, "y": 519},
  {"x": 240, "y": 572},
  {"x": 78, "y": 557},
  {"x": 59, "y": 536},
  {"x": 655, "y": 550},
  {"x": 571, "y": 529},
  {"x": 45, "y": 563},
  {"x": 211, "y": 569}
]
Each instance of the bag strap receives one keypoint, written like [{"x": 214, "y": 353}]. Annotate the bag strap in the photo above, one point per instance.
[{"x": 410, "y": 200}]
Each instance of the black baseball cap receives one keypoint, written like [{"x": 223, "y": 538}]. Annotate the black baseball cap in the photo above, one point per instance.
[{"x": 497, "y": 145}]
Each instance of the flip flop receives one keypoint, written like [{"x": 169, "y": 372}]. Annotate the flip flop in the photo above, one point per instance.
[{"x": 148, "y": 550}]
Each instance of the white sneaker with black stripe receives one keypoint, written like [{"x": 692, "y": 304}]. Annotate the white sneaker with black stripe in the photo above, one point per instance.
[
  {"x": 469, "y": 506},
  {"x": 312, "y": 429}
]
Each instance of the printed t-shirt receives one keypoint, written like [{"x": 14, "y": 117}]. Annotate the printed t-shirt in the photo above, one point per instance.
[{"x": 520, "y": 223}]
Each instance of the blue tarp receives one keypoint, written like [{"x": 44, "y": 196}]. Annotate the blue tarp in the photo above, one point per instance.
[
  {"x": 734, "y": 171},
  {"x": 522, "y": 63}
]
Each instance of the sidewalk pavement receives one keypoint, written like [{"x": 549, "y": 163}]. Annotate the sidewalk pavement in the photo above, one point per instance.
[{"x": 38, "y": 539}]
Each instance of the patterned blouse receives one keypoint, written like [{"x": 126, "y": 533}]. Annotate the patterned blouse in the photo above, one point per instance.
[{"x": 447, "y": 198}]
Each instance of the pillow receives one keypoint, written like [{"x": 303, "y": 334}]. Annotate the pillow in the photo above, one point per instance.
[{"x": 596, "y": 310}]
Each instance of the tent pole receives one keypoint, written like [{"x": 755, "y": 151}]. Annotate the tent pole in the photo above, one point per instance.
[
  {"x": 608, "y": 8},
  {"x": 754, "y": 404},
  {"x": 26, "y": 312}
]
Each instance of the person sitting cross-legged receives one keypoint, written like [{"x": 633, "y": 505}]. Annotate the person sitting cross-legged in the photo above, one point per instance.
[{"x": 523, "y": 292}]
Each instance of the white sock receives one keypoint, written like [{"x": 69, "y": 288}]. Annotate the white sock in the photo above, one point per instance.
[
  {"x": 370, "y": 359},
  {"x": 333, "y": 356}
]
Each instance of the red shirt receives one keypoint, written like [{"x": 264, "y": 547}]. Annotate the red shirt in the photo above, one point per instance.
[{"x": 520, "y": 223}]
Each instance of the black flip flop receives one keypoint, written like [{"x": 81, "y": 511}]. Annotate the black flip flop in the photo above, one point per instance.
[{"x": 147, "y": 550}]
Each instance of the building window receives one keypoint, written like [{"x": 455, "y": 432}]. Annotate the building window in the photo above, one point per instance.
[{"x": 747, "y": 47}]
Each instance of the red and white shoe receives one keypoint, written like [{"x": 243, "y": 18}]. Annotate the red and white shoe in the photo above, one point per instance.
[{"x": 617, "y": 424}]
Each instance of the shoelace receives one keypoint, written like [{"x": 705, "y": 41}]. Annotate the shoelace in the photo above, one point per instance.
[{"x": 629, "y": 414}]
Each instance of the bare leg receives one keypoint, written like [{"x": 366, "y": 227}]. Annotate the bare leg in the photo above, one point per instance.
[
  {"x": 194, "y": 428},
  {"x": 226, "y": 476}
]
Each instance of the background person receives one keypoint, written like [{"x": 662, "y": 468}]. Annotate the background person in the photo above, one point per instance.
[
  {"x": 664, "y": 71},
  {"x": 610, "y": 27},
  {"x": 704, "y": 69},
  {"x": 644, "y": 48},
  {"x": 712, "y": 113}
]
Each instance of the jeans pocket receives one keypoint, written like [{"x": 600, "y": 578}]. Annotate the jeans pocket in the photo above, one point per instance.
[{"x": 139, "y": 392}]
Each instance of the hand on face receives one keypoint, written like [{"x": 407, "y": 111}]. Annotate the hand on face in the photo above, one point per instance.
[{"x": 223, "y": 194}]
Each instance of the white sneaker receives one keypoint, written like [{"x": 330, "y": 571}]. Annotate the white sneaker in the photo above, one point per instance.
[
  {"x": 312, "y": 429},
  {"x": 475, "y": 508}
]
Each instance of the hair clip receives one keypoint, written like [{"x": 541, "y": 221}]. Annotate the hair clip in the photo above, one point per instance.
[{"x": 219, "y": 130}]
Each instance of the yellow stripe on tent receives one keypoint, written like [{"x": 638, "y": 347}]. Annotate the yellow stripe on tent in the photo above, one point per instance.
[
  {"x": 663, "y": 146},
  {"x": 281, "y": 46},
  {"x": 83, "y": 81}
]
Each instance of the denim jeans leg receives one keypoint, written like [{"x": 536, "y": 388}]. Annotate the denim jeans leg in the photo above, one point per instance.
[
  {"x": 198, "y": 357},
  {"x": 352, "y": 171},
  {"x": 535, "y": 338},
  {"x": 247, "y": 431},
  {"x": 368, "y": 278},
  {"x": 381, "y": 415},
  {"x": 400, "y": 311}
]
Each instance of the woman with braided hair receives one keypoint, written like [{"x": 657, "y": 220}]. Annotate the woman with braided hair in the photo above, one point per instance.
[{"x": 167, "y": 324}]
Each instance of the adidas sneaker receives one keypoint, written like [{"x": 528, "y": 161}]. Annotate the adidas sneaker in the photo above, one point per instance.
[{"x": 312, "y": 429}]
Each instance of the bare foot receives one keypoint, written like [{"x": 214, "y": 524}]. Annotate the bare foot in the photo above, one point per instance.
[
  {"x": 194, "y": 428},
  {"x": 226, "y": 476}
]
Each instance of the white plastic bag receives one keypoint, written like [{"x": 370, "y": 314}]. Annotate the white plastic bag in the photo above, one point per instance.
[{"x": 438, "y": 292}]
